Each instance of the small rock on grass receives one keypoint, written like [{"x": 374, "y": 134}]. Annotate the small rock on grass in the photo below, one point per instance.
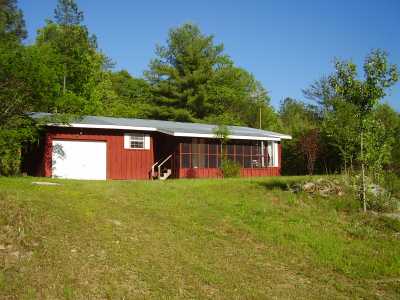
[{"x": 44, "y": 183}]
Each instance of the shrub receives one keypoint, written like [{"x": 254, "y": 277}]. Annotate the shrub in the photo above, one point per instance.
[
  {"x": 230, "y": 168},
  {"x": 383, "y": 197},
  {"x": 382, "y": 203},
  {"x": 10, "y": 155}
]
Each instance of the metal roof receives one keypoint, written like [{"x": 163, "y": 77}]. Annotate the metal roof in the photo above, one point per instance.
[{"x": 167, "y": 127}]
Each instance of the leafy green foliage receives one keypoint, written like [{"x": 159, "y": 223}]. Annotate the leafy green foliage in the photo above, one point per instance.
[
  {"x": 340, "y": 127},
  {"x": 298, "y": 120},
  {"x": 364, "y": 95},
  {"x": 12, "y": 24},
  {"x": 390, "y": 119},
  {"x": 378, "y": 145},
  {"x": 230, "y": 168},
  {"x": 222, "y": 133}
]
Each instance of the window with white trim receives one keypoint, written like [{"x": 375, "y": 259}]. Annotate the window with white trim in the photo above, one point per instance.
[{"x": 136, "y": 141}]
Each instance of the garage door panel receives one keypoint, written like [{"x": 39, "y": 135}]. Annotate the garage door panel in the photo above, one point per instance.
[{"x": 79, "y": 159}]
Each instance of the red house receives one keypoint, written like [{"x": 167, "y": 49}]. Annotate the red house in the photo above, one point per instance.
[{"x": 121, "y": 148}]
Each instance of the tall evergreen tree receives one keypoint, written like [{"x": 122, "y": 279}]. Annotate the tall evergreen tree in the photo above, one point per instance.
[
  {"x": 182, "y": 70},
  {"x": 193, "y": 79},
  {"x": 67, "y": 13},
  {"x": 12, "y": 24}
]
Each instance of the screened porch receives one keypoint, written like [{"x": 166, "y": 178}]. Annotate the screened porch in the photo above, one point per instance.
[{"x": 198, "y": 153}]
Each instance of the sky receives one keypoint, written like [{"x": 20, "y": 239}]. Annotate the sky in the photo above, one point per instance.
[{"x": 286, "y": 44}]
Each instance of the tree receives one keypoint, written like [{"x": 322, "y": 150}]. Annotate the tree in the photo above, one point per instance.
[
  {"x": 228, "y": 167},
  {"x": 364, "y": 95},
  {"x": 31, "y": 79},
  {"x": 181, "y": 72},
  {"x": 340, "y": 126},
  {"x": 77, "y": 50},
  {"x": 192, "y": 79},
  {"x": 133, "y": 96},
  {"x": 222, "y": 132},
  {"x": 297, "y": 119},
  {"x": 377, "y": 146},
  {"x": 19, "y": 75},
  {"x": 321, "y": 92},
  {"x": 67, "y": 13},
  {"x": 309, "y": 146},
  {"x": 12, "y": 24},
  {"x": 82, "y": 68},
  {"x": 390, "y": 120}
]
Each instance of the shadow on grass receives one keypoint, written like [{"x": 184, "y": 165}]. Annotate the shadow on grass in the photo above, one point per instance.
[{"x": 280, "y": 183}]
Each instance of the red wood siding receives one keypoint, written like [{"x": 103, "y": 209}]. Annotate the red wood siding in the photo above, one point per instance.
[
  {"x": 199, "y": 173},
  {"x": 136, "y": 164},
  {"x": 216, "y": 173},
  {"x": 121, "y": 163}
]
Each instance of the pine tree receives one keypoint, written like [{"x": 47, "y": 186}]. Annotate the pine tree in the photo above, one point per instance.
[
  {"x": 12, "y": 24},
  {"x": 67, "y": 13}
]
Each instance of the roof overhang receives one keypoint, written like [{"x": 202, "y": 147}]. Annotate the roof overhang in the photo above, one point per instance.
[
  {"x": 172, "y": 133},
  {"x": 98, "y": 126},
  {"x": 232, "y": 137}
]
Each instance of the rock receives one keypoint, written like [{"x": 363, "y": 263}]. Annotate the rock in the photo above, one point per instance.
[
  {"x": 322, "y": 187},
  {"x": 395, "y": 216},
  {"x": 28, "y": 255},
  {"x": 15, "y": 254},
  {"x": 309, "y": 187},
  {"x": 44, "y": 183},
  {"x": 294, "y": 188},
  {"x": 2, "y": 247},
  {"x": 376, "y": 190},
  {"x": 324, "y": 192},
  {"x": 116, "y": 222}
]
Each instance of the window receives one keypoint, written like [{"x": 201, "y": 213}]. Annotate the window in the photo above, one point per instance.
[{"x": 136, "y": 141}]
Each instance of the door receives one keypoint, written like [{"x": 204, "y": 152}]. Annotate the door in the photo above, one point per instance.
[{"x": 79, "y": 160}]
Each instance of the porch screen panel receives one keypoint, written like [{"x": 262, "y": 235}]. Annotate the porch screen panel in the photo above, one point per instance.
[
  {"x": 203, "y": 153},
  {"x": 186, "y": 149},
  {"x": 213, "y": 152}
]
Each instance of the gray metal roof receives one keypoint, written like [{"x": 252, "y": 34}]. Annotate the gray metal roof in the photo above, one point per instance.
[{"x": 168, "y": 127}]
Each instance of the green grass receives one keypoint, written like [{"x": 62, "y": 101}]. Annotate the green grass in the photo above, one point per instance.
[{"x": 233, "y": 238}]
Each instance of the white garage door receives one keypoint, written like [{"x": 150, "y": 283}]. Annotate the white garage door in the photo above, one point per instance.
[{"x": 79, "y": 160}]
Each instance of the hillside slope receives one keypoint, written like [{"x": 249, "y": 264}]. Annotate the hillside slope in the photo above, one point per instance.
[{"x": 236, "y": 238}]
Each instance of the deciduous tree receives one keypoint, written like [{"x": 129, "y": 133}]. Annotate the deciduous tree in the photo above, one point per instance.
[{"x": 365, "y": 94}]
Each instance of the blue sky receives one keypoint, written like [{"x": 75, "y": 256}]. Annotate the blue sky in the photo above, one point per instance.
[{"x": 285, "y": 44}]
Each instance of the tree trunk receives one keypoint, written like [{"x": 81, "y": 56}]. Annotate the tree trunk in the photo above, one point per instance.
[
  {"x": 351, "y": 165},
  {"x": 64, "y": 84},
  {"x": 363, "y": 192}
]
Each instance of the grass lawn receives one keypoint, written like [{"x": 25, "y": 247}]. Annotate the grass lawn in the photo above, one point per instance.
[{"x": 233, "y": 238}]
